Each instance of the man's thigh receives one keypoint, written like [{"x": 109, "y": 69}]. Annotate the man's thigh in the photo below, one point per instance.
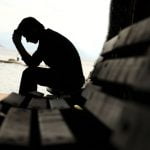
[{"x": 42, "y": 76}]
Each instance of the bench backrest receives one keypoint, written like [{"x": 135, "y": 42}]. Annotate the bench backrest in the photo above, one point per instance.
[{"x": 119, "y": 91}]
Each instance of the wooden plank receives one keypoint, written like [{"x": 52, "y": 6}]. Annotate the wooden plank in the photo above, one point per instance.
[
  {"x": 123, "y": 37},
  {"x": 109, "y": 45},
  {"x": 121, "y": 70},
  {"x": 106, "y": 68},
  {"x": 38, "y": 103},
  {"x": 36, "y": 94},
  {"x": 141, "y": 74},
  {"x": 96, "y": 64},
  {"x": 137, "y": 66},
  {"x": 117, "y": 42},
  {"x": 95, "y": 103},
  {"x": 127, "y": 67},
  {"x": 88, "y": 91},
  {"x": 125, "y": 71},
  {"x": 15, "y": 128},
  {"x": 137, "y": 33},
  {"x": 111, "y": 112},
  {"x": 13, "y": 99},
  {"x": 58, "y": 103},
  {"x": 106, "y": 108},
  {"x": 133, "y": 130},
  {"x": 101, "y": 68},
  {"x": 140, "y": 32},
  {"x": 54, "y": 129},
  {"x": 114, "y": 72},
  {"x": 111, "y": 71},
  {"x": 97, "y": 68}
]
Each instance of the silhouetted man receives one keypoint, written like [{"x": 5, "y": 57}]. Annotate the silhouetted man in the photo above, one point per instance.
[{"x": 65, "y": 71}]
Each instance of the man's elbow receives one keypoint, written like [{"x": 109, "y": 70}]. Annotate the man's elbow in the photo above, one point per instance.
[
  {"x": 33, "y": 64},
  {"x": 30, "y": 63}
]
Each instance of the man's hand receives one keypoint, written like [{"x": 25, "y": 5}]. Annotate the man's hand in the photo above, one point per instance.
[{"x": 16, "y": 37}]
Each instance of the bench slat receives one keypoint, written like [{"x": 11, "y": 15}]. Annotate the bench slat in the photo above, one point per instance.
[
  {"x": 108, "y": 46},
  {"x": 140, "y": 32},
  {"x": 125, "y": 71},
  {"x": 88, "y": 90},
  {"x": 123, "y": 37},
  {"x": 16, "y": 127},
  {"x": 37, "y": 103},
  {"x": 13, "y": 99},
  {"x": 106, "y": 108},
  {"x": 133, "y": 130},
  {"x": 111, "y": 111},
  {"x": 132, "y": 35},
  {"x": 53, "y": 128},
  {"x": 58, "y": 103}
]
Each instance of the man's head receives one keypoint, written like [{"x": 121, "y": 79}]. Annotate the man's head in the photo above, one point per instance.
[{"x": 30, "y": 28}]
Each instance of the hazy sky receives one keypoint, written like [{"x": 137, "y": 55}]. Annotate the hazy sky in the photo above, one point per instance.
[{"x": 84, "y": 22}]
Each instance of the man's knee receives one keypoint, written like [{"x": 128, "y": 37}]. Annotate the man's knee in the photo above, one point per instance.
[{"x": 29, "y": 71}]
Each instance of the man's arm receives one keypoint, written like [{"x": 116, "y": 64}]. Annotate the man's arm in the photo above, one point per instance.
[{"x": 26, "y": 57}]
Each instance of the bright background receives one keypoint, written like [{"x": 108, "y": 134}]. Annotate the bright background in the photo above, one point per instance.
[{"x": 84, "y": 22}]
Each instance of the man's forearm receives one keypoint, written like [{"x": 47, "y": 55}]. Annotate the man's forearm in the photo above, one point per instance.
[
  {"x": 24, "y": 54},
  {"x": 26, "y": 57},
  {"x": 17, "y": 41}
]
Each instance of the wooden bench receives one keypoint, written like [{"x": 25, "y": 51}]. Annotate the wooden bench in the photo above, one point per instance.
[
  {"x": 34, "y": 125},
  {"x": 115, "y": 115}
]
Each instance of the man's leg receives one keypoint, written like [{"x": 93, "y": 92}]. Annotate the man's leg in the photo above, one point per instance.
[
  {"x": 28, "y": 82},
  {"x": 33, "y": 76}
]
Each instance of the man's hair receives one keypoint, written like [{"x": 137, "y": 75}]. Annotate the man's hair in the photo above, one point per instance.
[{"x": 28, "y": 23}]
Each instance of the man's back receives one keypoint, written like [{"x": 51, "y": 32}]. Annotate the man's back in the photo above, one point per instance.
[{"x": 61, "y": 55}]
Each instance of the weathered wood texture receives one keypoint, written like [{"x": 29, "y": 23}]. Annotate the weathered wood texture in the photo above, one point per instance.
[
  {"x": 58, "y": 103},
  {"x": 138, "y": 33},
  {"x": 53, "y": 128},
  {"x": 27, "y": 128},
  {"x": 13, "y": 99},
  {"x": 34, "y": 102},
  {"x": 37, "y": 103},
  {"x": 119, "y": 91},
  {"x": 16, "y": 127},
  {"x": 58, "y": 129},
  {"x": 106, "y": 108},
  {"x": 133, "y": 131},
  {"x": 124, "y": 56}
]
